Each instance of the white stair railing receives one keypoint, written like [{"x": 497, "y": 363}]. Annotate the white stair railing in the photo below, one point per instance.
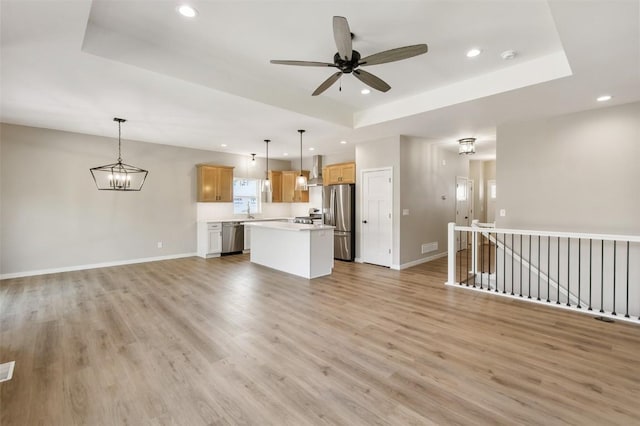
[{"x": 592, "y": 273}]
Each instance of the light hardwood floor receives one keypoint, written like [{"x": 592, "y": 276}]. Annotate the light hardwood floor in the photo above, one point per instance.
[{"x": 223, "y": 341}]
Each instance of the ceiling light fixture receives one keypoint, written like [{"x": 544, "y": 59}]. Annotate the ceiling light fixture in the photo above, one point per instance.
[
  {"x": 365, "y": 91},
  {"x": 301, "y": 180},
  {"x": 467, "y": 146},
  {"x": 266, "y": 183},
  {"x": 508, "y": 55},
  {"x": 604, "y": 98},
  {"x": 473, "y": 53},
  {"x": 187, "y": 11},
  {"x": 286, "y": 154},
  {"x": 252, "y": 163},
  {"x": 224, "y": 145},
  {"x": 343, "y": 142},
  {"x": 119, "y": 176},
  {"x": 312, "y": 149}
]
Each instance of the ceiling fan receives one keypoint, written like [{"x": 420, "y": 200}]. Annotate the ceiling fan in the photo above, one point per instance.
[{"x": 349, "y": 61}]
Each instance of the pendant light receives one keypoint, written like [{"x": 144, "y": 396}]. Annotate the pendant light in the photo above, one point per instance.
[
  {"x": 252, "y": 162},
  {"x": 119, "y": 176},
  {"x": 301, "y": 181},
  {"x": 266, "y": 184},
  {"x": 467, "y": 146}
]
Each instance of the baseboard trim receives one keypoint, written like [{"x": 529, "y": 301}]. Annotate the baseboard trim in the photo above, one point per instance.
[
  {"x": 420, "y": 261},
  {"x": 93, "y": 266}
]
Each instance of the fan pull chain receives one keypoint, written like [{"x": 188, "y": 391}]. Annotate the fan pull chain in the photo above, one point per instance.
[{"x": 340, "y": 88}]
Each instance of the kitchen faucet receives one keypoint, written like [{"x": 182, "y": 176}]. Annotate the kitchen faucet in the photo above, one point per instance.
[{"x": 249, "y": 210}]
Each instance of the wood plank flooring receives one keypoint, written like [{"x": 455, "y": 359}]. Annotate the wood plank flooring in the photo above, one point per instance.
[{"x": 223, "y": 341}]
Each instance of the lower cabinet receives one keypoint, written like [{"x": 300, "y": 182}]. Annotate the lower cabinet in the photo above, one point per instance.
[
  {"x": 209, "y": 239},
  {"x": 247, "y": 239}
]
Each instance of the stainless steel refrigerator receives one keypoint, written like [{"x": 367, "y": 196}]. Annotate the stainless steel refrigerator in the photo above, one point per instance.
[{"x": 339, "y": 210}]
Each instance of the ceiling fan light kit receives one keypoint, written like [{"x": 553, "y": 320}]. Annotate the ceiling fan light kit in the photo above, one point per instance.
[{"x": 349, "y": 61}]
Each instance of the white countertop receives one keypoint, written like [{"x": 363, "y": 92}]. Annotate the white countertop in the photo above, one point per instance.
[
  {"x": 237, "y": 219},
  {"x": 287, "y": 226}
]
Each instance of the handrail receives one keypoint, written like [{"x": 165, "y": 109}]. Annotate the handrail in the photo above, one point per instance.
[
  {"x": 605, "y": 237},
  {"x": 585, "y": 272}
]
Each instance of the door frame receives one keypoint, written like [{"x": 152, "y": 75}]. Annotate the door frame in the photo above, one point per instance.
[
  {"x": 359, "y": 212},
  {"x": 461, "y": 238}
]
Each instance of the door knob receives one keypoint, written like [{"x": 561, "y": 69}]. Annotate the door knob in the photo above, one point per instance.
[{"x": 364, "y": 221}]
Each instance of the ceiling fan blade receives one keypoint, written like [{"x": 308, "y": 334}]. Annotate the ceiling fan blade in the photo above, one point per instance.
[
  {"x": 342, "y": 36},
  {"x": 371, "y": 80},
  {"x": 303, "y": 63},
  {"x": 394, "y": 55},
  {"x": 327, "y": 83}
]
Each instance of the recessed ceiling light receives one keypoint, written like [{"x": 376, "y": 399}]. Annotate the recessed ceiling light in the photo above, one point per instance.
[
  {"x": 223, "y": 145},
  {"x": 604, "y": 98},
  {"x": 312, "y": 149},
  {"x": 365, "y": 91},
  {"x": 285, "y": 154},
  {"x": 187, "y": 11},
  {"x": 343, "y": 142},
  {"x": 508, "y": 55},
  {"x": 473, "y": 53}
]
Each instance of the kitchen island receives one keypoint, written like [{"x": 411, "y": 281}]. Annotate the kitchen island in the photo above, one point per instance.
[{"x": 298, "y": 249}]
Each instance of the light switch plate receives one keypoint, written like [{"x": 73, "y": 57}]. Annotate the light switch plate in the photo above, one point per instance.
[
  {"x": 503, "y": 212},
  {"x": 405, "y": 212}
]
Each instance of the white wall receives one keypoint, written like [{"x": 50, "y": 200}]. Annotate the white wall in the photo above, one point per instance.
[
  {"x": 427, "y": 190},
  {"x": 52, "y": 216},
  {"x": 378, "y": 154},
  {"x": 577, "y": 172}
]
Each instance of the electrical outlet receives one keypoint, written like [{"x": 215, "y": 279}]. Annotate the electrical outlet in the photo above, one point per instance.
[
  {"x": 503, "y": 212},
  {"x": 405, "y": 212},
  {"x": 159, "y": 244}
]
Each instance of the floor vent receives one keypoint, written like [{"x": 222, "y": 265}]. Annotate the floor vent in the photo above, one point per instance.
[{"x": 6, "y": 371}]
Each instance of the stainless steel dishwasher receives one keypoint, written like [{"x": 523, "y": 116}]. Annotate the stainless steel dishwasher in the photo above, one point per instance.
[{"x": 232, "y": 237}]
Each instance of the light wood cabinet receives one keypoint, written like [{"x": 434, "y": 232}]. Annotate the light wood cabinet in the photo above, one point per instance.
[
  {"x": 275, "y": 176},
  {"x": 289, "y": 194},
  {"x": 336, "y": 174},
  {"x": 215, "y": 183}
]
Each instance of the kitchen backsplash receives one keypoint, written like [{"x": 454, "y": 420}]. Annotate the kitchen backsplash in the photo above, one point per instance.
[{"x": 215, "y": 211}]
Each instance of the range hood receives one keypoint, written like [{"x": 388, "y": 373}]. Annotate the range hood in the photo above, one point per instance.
[{"x": 315, "y": 177}]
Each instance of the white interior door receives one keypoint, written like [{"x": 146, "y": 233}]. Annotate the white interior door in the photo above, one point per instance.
[
  {"x": 377, "y": 225},
  {"x": 462, "y": 210}
]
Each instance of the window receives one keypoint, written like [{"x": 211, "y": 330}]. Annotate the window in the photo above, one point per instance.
[
  {"x": 246, "y": 196},
  {"x": 492, "y": 189}
]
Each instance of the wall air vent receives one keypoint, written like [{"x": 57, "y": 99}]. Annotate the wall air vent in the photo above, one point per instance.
[{"x": 426, "y": 248}]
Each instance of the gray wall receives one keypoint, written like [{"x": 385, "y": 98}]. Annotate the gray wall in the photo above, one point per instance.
[
  {"x": 576, "y": 172},
  {"x": 52, "y": 216},
  {"x": 425, "y": 180},
  {"x": 378, "y": 154}
]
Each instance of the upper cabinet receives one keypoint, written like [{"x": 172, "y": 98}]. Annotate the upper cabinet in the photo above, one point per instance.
[
  {"x": 336, "y": 174},
  {"x": 215, "y": 183},
  {"x": 289, "y": 194},
  {"x": 275, "y": 177}
]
